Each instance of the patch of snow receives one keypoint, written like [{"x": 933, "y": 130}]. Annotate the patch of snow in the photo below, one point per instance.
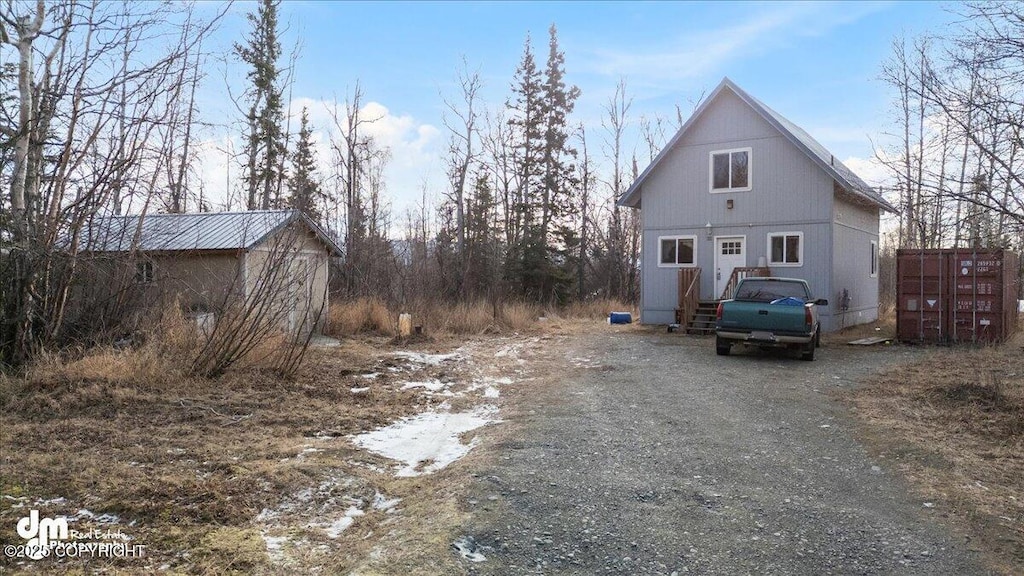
[
  {"x": 370, "y": 375},
  {"x": 339, "y": 525},
  {"x": 490, "y": 386},
  {"x": 367, "y": 465},
  {"x": 359, "y": 390},
  {"x": 383, "y": 503},
  {"x": 427, "y": 359},
  {"x": 275, "y": 547},
  {"x": 322, "y": 495},
  {"x": 101, "y": 518},
  {"x": 433, "y": 385},
  {"x": 467, "y": 547},
  {"x": 430, "y": 437},
  {"x": 307, "y": 450},
  {"x": 511, "y": 351}
]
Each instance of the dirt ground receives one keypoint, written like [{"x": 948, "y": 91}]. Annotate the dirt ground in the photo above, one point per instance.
[
  {"x": 952, "y": 423},
  {"x": 248, "y": 474},
  {"x": 616, "y": 449},
  {"x": 646, "y": 453}
]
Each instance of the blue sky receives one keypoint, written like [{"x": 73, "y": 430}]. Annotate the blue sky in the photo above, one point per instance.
[{"x": 816, "y": 63}]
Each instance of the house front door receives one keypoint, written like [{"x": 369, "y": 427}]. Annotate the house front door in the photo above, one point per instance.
[{"x": 730, "y": 252}]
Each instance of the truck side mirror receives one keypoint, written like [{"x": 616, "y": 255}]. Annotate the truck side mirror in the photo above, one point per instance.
[{"x": 821, "y": 302}]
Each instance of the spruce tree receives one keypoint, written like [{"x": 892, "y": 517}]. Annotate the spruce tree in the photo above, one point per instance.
[
  {"x": 265, "y": 146},
  {"x": 539, "y": 112},
  {"x": 526, "y": 255},
  {"x": 304, "y": 189},
  {"x": 558, "y": 101}
]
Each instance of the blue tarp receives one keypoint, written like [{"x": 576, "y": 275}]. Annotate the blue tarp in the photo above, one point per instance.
[{"x": 789, "y": 301}]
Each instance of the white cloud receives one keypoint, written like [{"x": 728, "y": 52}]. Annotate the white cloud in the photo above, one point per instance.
[
  {"x": 694, "y": 54},
  {"x": 413, "y": 146},
  {"x": 871, "y": 170},
  {"x": 689, "y": 56}
]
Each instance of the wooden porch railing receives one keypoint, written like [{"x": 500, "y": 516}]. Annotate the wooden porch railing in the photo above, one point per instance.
[
  {"x": 689, "y": 294},
  {"x": 741, "y": 273}
]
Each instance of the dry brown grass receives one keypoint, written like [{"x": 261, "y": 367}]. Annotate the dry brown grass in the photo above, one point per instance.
[
  {"x": 373, "y": 316},
  {"x": 192, "y": 462},
  {"x": 885, "y": 327},
  {"x": 362, "y": 316},
  {"x": 599, "y": 309},
  {"x": 953, "y": 423}
]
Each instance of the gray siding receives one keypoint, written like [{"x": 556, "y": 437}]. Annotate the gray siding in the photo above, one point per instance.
[
  {"x": 789, "y": 193},
  {"x": 660, "y": 285},
  {"x": 856, "y": 226},
  {"x": 786, "y": 185}
]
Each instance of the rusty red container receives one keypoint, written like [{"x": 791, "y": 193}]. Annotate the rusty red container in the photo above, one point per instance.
[{"x": 956, "y": 295}]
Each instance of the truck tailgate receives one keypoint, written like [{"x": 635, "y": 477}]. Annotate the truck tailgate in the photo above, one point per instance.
[{"x": 750, "y": 316}]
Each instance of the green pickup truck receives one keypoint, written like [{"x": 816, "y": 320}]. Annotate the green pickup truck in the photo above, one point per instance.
[{"x": 770, "y": 312}]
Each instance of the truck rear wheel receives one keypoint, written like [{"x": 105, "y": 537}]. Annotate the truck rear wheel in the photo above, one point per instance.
[
  {"x": 808, "y": 351},
  {"x": 722, "y": 346}
]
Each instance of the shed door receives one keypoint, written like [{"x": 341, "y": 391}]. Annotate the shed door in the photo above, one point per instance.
[
  {"x": 730, "y": 252},
  {"x": 301, "y": 285}
]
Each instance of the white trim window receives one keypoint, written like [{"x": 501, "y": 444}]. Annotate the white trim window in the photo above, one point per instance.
[
  {"x": 677, "y": 251},
  {"x": 786, "y": 249},
  {"x": 874, "y": 259},
  {"x": 730, "y": 170}
]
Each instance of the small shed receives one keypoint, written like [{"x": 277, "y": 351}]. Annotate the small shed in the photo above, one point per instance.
[{"x": 274, "y": 260}]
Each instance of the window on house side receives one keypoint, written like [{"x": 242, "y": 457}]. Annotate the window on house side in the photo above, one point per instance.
[
  {"x": 143, "y": 272},
  {"x": 785, "y": 249},
  {"x": 874, "y": 259},
  {"x": 730, "y": 170},
  {"x": 676, "y": 250}
]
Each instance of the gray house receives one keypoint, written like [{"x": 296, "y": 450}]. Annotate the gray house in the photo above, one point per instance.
[{"x": 742, "y": 191}]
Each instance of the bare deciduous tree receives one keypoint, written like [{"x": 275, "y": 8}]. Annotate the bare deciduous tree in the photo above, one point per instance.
[{"x": 93, "y": 127}]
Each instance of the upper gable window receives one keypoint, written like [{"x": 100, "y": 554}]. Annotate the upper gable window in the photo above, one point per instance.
[{"x": 730, "y": 170}]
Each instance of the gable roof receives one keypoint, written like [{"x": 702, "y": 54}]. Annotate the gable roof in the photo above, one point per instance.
[
  {"x": 796, "y": 135},
  {"x": 199, "y": 231}
]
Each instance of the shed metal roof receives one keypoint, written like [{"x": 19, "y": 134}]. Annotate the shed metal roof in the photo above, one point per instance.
[
  {"x": 188, "y": 232},
  {"x": 795, "y": 134}
]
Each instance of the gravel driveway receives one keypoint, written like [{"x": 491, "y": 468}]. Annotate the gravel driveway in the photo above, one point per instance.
[{"x": 644, "y": 453}]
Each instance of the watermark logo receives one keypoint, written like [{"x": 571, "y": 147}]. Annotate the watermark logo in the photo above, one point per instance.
[
  {"x": 39, "y": 533},
  {"x": 51, "y": 537}
]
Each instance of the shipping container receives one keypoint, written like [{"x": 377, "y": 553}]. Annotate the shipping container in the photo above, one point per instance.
[{"x": 956, "y": 295}]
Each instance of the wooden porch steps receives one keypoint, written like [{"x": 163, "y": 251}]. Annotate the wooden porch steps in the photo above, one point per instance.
[{"x": 703, "y": 322}]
